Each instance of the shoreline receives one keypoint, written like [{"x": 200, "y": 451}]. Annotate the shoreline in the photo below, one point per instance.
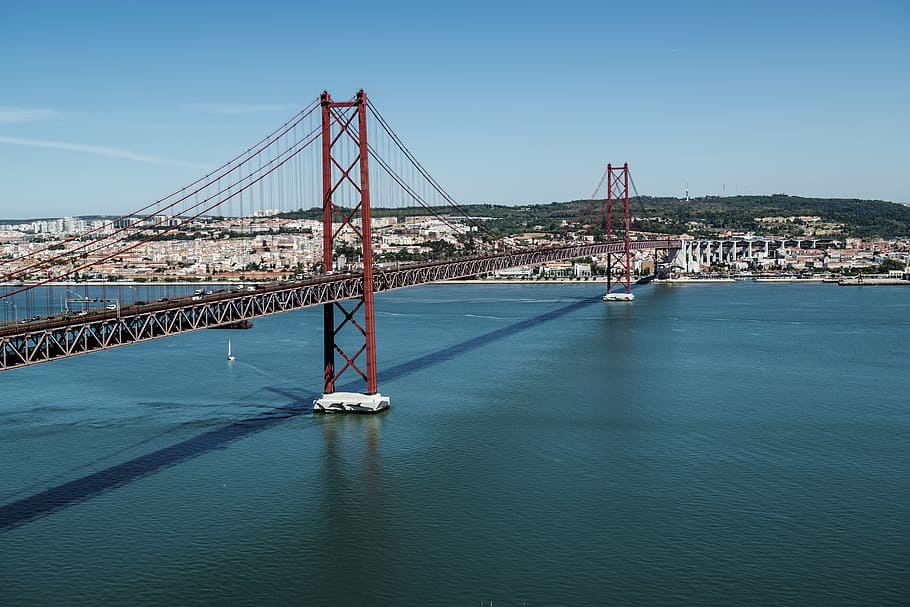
[
  {"x": 851, "y": 281},
  {"x": 132, "y": 283},
  {"x": 873, "y": 282}
]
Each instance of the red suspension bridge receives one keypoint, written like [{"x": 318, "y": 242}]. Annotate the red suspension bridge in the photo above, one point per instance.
[{"x": 321, "y": 158}]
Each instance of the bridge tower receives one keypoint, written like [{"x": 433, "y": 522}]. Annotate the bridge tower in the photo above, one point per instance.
[
  {"x": 618, "y": 191},
  {"x": 346, "y": 204}
]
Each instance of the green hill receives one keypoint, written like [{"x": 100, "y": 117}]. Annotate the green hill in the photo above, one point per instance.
[
  {"x": 707, "y": 216},
  {"x": 701, "y": 217}
]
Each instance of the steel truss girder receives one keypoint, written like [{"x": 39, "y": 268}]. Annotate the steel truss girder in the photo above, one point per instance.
[{"x": 44, "y": 341}]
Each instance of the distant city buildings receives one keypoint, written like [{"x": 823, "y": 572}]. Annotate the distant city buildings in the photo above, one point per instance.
[
  {"x": 266, "y": 246},
  {"x": 262, "y": 246},
  {"x": 54, "y": 227}
]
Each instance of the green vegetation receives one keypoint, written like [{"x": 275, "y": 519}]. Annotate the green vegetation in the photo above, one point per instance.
[
  {"x": 889, "y": 265},
  {"x": 851, "y": 217},
  {"x": 700, "y": 217}
]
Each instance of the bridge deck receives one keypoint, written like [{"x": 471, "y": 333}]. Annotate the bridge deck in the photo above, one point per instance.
[{"x": 51, "y": 339}]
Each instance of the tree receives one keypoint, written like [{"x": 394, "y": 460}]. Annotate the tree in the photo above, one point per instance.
[{"x": 891, "y": 264}]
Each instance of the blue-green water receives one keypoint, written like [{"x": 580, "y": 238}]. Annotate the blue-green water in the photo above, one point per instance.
[{"x": 710, "y": 445}]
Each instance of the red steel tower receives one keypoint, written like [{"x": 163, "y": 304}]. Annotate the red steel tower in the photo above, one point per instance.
[
  {"x": 345, "y": 178},
  {"x": 618, "y": 190}
]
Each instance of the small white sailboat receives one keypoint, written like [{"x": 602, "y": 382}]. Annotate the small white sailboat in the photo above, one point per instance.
[{"x": 230, "y": 356}]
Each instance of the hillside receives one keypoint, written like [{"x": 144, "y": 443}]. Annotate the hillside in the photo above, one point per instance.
[
  {"x": 710, "y": 216},
  {"x": 779, "y": 214},
  {"x": 841, "y": 217}
]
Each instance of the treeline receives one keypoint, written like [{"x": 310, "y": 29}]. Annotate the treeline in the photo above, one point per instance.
[
  {"x": 859, "y": 218},
  {"x": 698, "y": 216}
]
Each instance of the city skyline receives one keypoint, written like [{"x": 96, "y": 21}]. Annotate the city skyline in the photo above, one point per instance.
[{"x": 106, "y": 110}]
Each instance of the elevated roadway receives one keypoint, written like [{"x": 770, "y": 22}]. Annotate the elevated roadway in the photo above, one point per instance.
[{"x": 50, "y": 339}]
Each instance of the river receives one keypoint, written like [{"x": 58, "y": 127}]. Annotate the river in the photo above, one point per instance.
[{"x": 707, "y": 444}]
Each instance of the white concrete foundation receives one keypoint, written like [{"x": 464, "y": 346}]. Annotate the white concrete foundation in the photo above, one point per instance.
[{"x": 350, "y": 402}]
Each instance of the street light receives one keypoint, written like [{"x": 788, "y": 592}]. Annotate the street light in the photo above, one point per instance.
[
  {"x": 64, "y": 302},
  {"x": 15, "y": 309}
]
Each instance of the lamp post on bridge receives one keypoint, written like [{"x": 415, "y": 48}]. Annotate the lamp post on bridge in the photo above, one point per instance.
[{"x": 15, "y": 310}]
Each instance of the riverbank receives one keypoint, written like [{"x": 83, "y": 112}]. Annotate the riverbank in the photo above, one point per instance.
[
  {"x": 133, "y": 283},
  {"x": 872, "y": 282},
  {"x": 683, "y": 281},
  {"x": 853, "y": 281},
  {"x": 792, "y": 279},
  {"x": 521, "y": 281}
]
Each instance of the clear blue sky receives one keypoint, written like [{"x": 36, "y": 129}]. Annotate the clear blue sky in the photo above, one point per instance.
[{"x": 107, "y": 106}]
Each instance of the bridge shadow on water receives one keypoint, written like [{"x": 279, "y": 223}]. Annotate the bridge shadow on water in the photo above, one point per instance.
[{"x": 62, "y": 496}]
